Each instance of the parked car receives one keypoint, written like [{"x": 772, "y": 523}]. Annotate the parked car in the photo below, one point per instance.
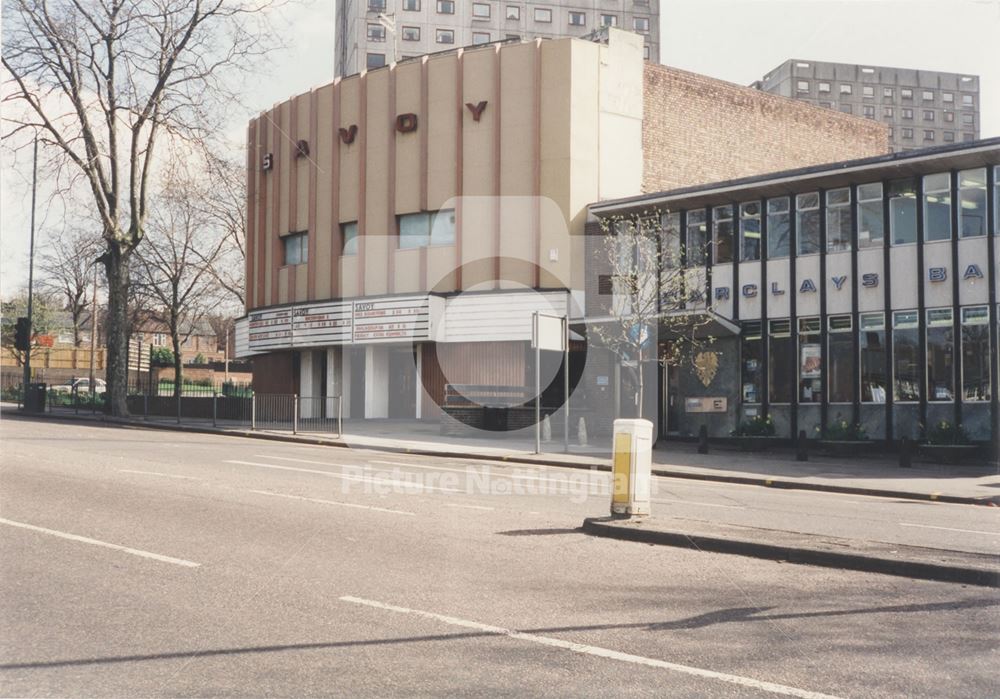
[{"x": 80, "y": 386}]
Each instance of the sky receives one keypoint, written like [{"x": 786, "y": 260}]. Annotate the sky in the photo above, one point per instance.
[{"x": 735, "y": 40}]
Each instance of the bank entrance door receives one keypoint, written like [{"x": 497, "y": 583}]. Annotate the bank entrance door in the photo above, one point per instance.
[
  {"x": 402, "y": 382},
  {"x": 670, "y": 404}
]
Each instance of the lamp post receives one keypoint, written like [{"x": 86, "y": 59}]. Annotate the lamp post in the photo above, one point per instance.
[{"x": 31, "y": 272}]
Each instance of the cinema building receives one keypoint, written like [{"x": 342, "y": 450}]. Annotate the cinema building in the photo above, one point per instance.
[
  {"x": 404, "y": 223},
  {"x": 862, "y": 291}
]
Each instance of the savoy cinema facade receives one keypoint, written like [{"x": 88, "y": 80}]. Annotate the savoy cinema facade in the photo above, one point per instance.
[
  {"x": 404, "y": 223},
  {"x": 862, "y": 291}
]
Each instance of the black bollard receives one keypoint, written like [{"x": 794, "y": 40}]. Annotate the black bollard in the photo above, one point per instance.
[
  {"x": 905, "y": 453},
  {"x": 801, "y": 447},
  {"x": 703, "y": 439}
]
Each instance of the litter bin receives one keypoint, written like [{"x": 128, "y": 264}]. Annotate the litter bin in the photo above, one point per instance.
[
  {"x": 631, "y": 464},
  {"x": 34, "y": 398}
]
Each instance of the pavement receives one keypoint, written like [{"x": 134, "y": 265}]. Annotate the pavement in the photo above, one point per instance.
[
  {"x": 157, "y": 563},
  {"x": 871, "y": 476}
]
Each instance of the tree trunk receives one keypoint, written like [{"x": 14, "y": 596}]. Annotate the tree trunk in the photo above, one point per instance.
[
  {"x": 116, "y": 266},
  {"x": 642, "y": 384},
  {"x": 175, "y": 340}
]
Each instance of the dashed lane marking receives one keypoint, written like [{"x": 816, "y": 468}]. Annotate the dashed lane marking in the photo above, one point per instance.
[
  {"x": 157, "y": 473},
  {"x": 347, "y": 477},
  {"x": 597, "y": 651},
  {"x": 949, "y": 529},
  {"x": 104, "y": 544},
  {"x": 338, "y": 504}
]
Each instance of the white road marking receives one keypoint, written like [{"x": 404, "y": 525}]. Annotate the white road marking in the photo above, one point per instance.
[
  {"x": 157, "y": 473},
  {"x": 346, "y": 477},
  {"x": 702, "y": 504},
  {"x": 948, "y": 529},
  {"x": 597, "y": 651},
  {"x": 469, "y": 470},
  {"x": 105, "y": 544},
  {"x": 334, "y": 502},
  {"x": 468, "y": 507}
]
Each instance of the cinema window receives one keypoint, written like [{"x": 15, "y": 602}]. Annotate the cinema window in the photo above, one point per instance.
[
  {"x": 296, "y": 247},
  {"x": 349, "y": 236}
]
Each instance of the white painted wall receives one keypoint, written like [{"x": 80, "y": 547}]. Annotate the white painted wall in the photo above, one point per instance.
[{"x": 376, "y": 381}]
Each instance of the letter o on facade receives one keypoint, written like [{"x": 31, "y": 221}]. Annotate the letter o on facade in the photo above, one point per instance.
[{"x": 405, "y": 123}]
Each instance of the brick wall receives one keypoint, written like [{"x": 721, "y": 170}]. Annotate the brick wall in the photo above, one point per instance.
[{"x": 698, "y": 129}]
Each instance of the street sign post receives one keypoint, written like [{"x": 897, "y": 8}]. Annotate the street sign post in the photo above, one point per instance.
[{"x": 550, "y": 333}]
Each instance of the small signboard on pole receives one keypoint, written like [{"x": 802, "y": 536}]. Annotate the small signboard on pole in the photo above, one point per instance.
[{"x": 550, "y": 333}]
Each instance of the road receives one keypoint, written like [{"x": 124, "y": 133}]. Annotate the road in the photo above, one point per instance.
[{"x": 151, "y": 563}]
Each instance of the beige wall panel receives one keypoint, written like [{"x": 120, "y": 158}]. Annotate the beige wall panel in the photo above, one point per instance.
[
  {"x": 348, "y": 277},
  {"x": 555, "y": 184},
  {"x": 321, "y": 152},
  {"x": 407, "y": 271},
  {"x": 282, "y": 290},
  {"x": 584, "y": 172},
  {"x": 477, "y": 242},
  {"x": 409, "y": 168},
  {"x": 283, "y": 166},
  {"x": 517, "y": 118},
  {"x": 350, "y": 111},
  {"x": 271, "y": 180},
  {"x": 302, "y": 165},
  {"x": 302, "y": 283},
  {"x": 479, "y": 159},
  {"x": 442, "y": 122},
  {"x": 441, "y": 268},
  {"x": 376, "y": 259}
]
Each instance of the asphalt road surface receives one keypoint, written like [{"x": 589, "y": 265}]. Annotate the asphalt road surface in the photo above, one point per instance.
[{"x": 149, "y": 563}]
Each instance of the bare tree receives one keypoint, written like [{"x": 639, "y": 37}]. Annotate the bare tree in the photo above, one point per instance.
[
  {"x": 177, "y": 261},
  {"x": 224, "y": 202},
  {"x": 67, "y": 270},
  {"x": 103, "y": 82},
  {"x": 653, "y": 294}
]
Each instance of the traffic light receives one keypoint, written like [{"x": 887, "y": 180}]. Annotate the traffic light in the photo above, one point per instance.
[{"x": 22, "y": 335}]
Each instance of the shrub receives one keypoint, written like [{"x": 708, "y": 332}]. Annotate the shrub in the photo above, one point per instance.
[
  {"x": 200, "y": 359},
  {"x": 161, "y": 356},
  {"x": 843, "y": 431},
  {"x": 757, "y": 426},
  {"x": 946, "y": 433}
]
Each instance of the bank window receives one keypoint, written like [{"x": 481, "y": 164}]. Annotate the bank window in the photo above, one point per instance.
[
  {"x": 480, "y": 10},
  {"x": 781, "y": 357},
  {"x": 411, "y": 5},
  {"x": 840, "y": 366},
  {"x": 426, "y": 228},
  {"x": 940, "y": 355},
  {"x": 752, "y": 361},
  {"x": 349, "y": 238},
  {"x": 376, "y": 32},
  {"x": 479, "y": 38},
  {"x": 446, "y": 7},
  {"x": 838, "y": 220},
  {"x": 976, "y": 358},
  {"x": 697, "y": 237},
  {"x": 972, "y": 203},
  {"x": 641, "y": 24},
  {"x": 445, "y": 36},
  {"x": 411, "y": 33},
  {"x": 512, "y": 12},
  {"x": 374, "y": 60},
  {"x": 937, "y": 207},
  {"x": 870, "y": 222},
  {"x": 905, "y": 356},
  {"x": 807, "y": 223},
  {"x": 996, "y": 200},
  {"x": 543, "y": 14},
  {"x": 577, "y": 19},
  {"x": 670, "y": 245},
  {"x": 903, "y": 211},
  {"x": 750, "y": 230},
  {"x": 722, "y": 234},
  {"x": 296, "y": 248},
  {"x": 871, "y": 338},
  {"x": 778, "y": 227},
  {"x": 810, "y": 361}
]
